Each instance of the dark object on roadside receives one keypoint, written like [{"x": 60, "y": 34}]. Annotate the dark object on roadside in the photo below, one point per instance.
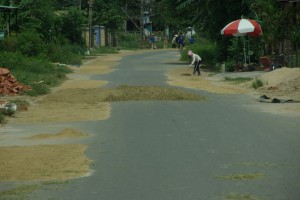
[
  {"x": 266, "y": 99},
  {"x": 8, "y": 108},
  {"x": 275, "y": 100},
  {"x": 263, "y": 98}
]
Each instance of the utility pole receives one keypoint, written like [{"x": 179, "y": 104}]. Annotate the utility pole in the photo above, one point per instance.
[{"x": 91, "y": 2}]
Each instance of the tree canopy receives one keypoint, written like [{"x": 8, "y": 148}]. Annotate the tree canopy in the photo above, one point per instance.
[{"x": 67, "y": 18}]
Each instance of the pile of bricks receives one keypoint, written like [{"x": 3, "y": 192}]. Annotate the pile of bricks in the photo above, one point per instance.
[{"x": 9, "y": 84}]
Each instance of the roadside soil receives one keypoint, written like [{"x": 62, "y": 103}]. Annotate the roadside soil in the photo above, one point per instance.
[
  {"x": 76, "y": 100},
  {"x": 282, "y": 84}
]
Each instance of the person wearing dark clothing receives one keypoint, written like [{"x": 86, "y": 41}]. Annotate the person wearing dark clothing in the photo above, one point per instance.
[
  {"x": 192, "y": 40},
  {"x": 152, "y": 41},
  {"x": 180, "y": 43}
]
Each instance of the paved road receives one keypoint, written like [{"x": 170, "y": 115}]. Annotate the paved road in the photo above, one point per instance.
[{"x": 182, "y": 150}]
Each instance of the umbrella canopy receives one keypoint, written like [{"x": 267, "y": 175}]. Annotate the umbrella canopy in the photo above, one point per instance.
[{"x": 242, "y": 27}]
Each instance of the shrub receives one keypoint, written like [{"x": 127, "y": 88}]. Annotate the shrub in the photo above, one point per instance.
[
  {"x": 230, "y": 65},
  {"x": 67, "y": 54},
  {"x": 9, "y": 44},
  {"x": 206, "y": 49},
  {"x": 38, "y": 89},
  {"x": 30, "y": 44},
  {"x": 257, "y": 83},
  {"x": 103, "y": 50},
  {"x": 132, "y": 41}
]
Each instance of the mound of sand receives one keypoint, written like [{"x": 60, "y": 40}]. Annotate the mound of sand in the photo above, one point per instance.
[
  {"x": 283, "y": 78},
  {"x": 283, "y": 83}
]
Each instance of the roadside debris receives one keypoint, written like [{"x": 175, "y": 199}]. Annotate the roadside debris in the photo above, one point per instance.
[
  {"x": 266, "y": 99},
  {"x": 9, "y": 84},
  {"x": 7, "y": 107}
]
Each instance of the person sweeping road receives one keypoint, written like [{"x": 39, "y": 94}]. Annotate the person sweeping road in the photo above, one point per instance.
[{"x": 196, "y": 61}]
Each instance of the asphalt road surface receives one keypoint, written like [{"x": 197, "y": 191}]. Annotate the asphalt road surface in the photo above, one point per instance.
[{"x": 183, "y": 150}]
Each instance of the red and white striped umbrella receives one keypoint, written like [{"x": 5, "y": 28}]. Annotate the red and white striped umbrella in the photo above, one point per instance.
[{"x": 242, "y": 27}]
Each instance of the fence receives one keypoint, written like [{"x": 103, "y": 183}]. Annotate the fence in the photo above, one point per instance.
[{"x": 292, "y": 60}]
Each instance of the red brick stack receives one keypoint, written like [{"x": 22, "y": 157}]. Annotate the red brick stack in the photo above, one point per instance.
[{"x": 9, "y": 84}]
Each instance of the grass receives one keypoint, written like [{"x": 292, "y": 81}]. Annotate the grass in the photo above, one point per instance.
[
  {"x": 234, "y": 196},
  {"x": 22, "y": 192},
  {"x": 248, "y": 164},
  {"x": 243, "y": 177},
  {"x": 103, "y": 50},
  {"x": 18, "y": 193},
  {"x": 38, "y": 89},
  {"x": 238, "y": 79},
  {"x": 267, "y": 164},
  {"x": 145, "y": 93}
]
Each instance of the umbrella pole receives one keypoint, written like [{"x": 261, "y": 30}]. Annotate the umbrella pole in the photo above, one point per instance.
[
  {"x": 245, "y": 58},
  {"x": 238, "y": 53},
  {"x": 248, "y": 50}
]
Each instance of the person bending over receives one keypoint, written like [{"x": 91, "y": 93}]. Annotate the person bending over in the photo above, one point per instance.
[{"x": 196, "y": 61}]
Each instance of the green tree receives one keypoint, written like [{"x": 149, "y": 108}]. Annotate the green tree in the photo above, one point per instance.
[
  {"x": 37, "y": 16},
  {"x": 70, "y": 25},
  {"x": 65, "y": 4},
  {"x": 108, "y": 14},
  {"x": 210, "y": 16}
]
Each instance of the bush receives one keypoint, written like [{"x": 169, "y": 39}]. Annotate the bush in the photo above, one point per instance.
[
  {"x": 257, "y": 83},
  {"x": 206, "y": 49},
  {"x": 236, "y": 51},
  {"x": 67, "y": 54},
  {"x": 230, "y": 66},
  {"x": 9, "y": 44},
  {"x": 30, "y": 44},
  {"x": 31, "y": 71},
  {"x": 132, "y": 41},
  {"x": 38, "y": 89},
  {"x": 103, "y": 50}
]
